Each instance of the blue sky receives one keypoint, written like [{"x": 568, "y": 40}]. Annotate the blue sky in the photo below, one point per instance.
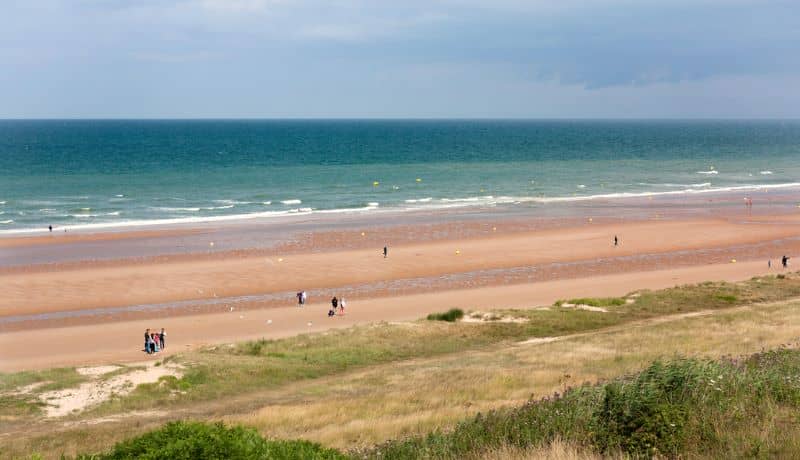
[{"x": 411, "y": 58}]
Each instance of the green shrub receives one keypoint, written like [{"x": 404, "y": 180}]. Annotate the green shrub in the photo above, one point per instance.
[
  {"x": 195, "y": 440},
  {"x": 451, "y": 316}
]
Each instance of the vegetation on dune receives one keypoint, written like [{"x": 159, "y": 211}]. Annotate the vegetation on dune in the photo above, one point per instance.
[
  {"x": 451, "y": 316},
  {"x": 678, "y": 408},
  {"x": 195, "y": 440},
  {"x": 601, "y": 302}
]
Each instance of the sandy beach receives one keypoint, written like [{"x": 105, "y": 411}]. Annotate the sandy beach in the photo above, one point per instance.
[{"x": 223, "y": 296}]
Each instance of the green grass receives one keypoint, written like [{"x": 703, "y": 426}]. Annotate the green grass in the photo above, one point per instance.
[
  {"x": 683, "y": 408},
  {"x": 14, "y": 405},
  {"x": 194, "y": 440},
  {"x": 451, "y": 316},
  {"x": 678, "y": 408},
  {"x": 601, "y": 302}
]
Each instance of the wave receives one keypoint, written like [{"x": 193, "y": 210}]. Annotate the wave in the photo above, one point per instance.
[
  {"x": 232, "y": 202},
  {"x": 2, "y": 202},
  {"x": 291, "y": 201},
  {"x": 228, "y": 206},
  {"x": 120, "y": 196},
  {"x": 700, "y": 185},
  {"x": 267, "y": 203},
  {"x": 9, "y": 221},
  {"x": 167, "y": 209},
  {"x": 416, "y": 205},
  {"x": 711, "y": 172},
  {"x": 765, "y": 173},
  {"x": 419, "y": 200}
]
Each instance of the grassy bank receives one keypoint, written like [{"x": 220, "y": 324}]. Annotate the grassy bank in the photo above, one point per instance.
[
  {"x": 363, "y": 385},
  {"x": 679, "y": 408}
]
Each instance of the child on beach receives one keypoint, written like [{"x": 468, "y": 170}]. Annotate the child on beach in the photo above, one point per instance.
[{"x": 341, "y": 306}]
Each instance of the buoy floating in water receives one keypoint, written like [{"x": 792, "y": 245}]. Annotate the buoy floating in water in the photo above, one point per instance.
[
  {"x": 419, "y": 180},
  {"x": 376, "y": 183}
]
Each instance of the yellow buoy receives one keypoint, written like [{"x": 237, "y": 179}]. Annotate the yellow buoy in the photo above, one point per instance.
[
  {"x": 376, "y": 183},
  {"x": 419, "y": 180}
]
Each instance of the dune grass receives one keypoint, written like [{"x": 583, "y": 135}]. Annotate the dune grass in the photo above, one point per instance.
[
  {"x": 451, "y": 316},
  {"x": 678, "y": 408}
]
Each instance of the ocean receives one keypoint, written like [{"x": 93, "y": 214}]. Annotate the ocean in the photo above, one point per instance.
[{"x": 120, "y": 173}]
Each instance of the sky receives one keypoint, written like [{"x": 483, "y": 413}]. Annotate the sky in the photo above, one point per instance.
[{"x": 399, "y": 59}]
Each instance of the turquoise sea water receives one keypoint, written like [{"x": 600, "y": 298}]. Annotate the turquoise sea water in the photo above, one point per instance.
[{"x": 96, "y": 174}]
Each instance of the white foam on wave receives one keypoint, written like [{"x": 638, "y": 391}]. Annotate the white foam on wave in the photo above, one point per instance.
[
  {"x": 227, "y": 206},
  {"x": 266, "y": 203},
  {"x": 119, "y": 196},
  {"x": 291, "y": 201},
  {"x": 471, "y": 199},
  {"x": 700, "y": 185},
  {"x": 419, "y": 200},
  {"x": 373, "y": 204},
  {"x": 2, "y": 202},
  {"x": 710, "y": 172},
  {"x": 9, "y": 221},
  {"x": 581, "y": 186},
  {"x": 168, "y": 209},
  {"x": 765, "y": 173}
]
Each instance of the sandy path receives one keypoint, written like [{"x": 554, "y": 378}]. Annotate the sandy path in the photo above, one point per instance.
[
  {"x": 86, "y": 286},
  {"x": 120, "y": 341}
]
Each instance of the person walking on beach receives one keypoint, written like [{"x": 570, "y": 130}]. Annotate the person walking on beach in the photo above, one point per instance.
[
  {"x": 341, "y": 306},
  {"x": 303, "y": 297},
  {"x": 162, "y": 337},
  {"x": 785, "y": 261},
  {"x": 385, "y": 251},
  {"x": 51, "y": 228},
  {"x": 300, "y": 298},
  {"x": 616, "y": 240}
]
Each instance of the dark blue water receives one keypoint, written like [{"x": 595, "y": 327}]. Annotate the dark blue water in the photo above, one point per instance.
[{"x": 94, "y": 174}]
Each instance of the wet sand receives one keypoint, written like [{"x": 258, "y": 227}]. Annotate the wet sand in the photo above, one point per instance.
[{"x": 467, "y": 262}]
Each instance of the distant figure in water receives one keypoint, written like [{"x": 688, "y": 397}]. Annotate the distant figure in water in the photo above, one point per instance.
[
  {"x": 51, "y": 228},
  {"x": 616, "y": 241},
  {"x": 385, "y": 251}
]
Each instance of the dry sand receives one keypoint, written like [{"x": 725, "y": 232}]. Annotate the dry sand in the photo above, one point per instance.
[{"x": 115, "y": 338}]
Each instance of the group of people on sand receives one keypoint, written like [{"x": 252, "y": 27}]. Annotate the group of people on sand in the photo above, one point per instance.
[
  {"x": 154, "y": 341},
  {"x": 336, "y": 303}
]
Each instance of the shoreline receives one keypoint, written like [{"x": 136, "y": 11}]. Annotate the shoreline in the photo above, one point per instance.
[{"x": 374, "y": 210}]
